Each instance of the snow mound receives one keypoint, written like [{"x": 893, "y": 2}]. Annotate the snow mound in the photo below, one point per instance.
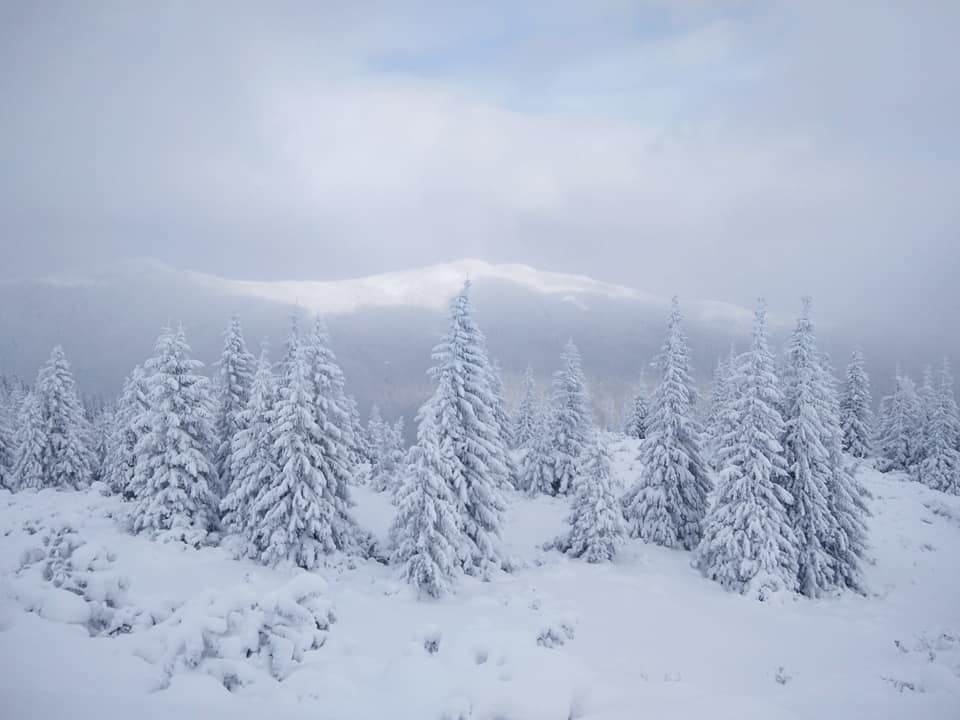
[{"x": 237, "y": 636}]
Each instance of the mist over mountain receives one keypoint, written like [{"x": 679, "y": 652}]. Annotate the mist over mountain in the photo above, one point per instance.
[{"x": 385, "y": 326}]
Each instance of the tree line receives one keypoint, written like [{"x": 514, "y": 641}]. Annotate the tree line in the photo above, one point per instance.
[{"x": 762, "y": 491}]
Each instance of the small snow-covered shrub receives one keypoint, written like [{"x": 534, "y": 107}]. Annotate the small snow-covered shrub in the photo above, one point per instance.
[
  {"x": 557, "y": 632},
  {"x": 236, "y": 633},
  {"x": 70, "y": 564}
]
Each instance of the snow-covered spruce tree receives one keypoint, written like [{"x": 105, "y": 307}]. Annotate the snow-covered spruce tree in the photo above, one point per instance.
[
  {"x": 67, "y": 458},
  {"x": 596, "y": 516},
  {"x": 128, "y": 426},
  {"x": 527, "y": 422},
  {"x": 940, "y": 468},
  {"x": 536, "y": 468},
  {"x": 302, "y": 512},
  {"x": 926, "y": 407},
  {"x": 384, "y": 473},
  {"x": 669, "y": 501},
  {"x": 234, "y": 379},
  {"x": 572, "y": 421},
  {"x": 426, "y": 534},
  {"x": 8, "y": 444},
  {"x": 748, "y": 544},
  {"x": 462, "y": 412},
  {"x": 31, "y": 439},
  {"x": 856, "y": 415},
  {"x": 102, "y": 428},
  {"x": 376, "y": 427},
  {"x": 174, "y": 468},
  {"x": 898, "y": 430},
  {"x": 848, "y": 546},
  {"x": 331, "y": 409},
  {"x": 251, "y": 459},
  {"x": 719, "y": 418},
  {"x": 808, "y": 459},
  {"x": 636, "y": 423},
  {"x": 504, "y": 423},
  {"x": 360, "y": 452}
]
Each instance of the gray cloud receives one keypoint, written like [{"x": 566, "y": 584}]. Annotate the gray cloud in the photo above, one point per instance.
[{"x": 720, "y": 150}]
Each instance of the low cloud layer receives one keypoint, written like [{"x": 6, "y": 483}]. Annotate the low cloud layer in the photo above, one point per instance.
[{"x": 719, "y": 150}]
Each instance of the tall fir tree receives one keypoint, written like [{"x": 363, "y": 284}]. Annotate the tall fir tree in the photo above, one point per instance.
[
  {"x": 720, "y": 417},
  {"x": 8, "y": 445},
  {"x": 596, "y": 522},
  {"x": 427, "y": 533},
  {"x": 31, "y": 440},
  {"x": 848, "y": 546},
  {"x": 251, "y": 460},
  {"x": 748, "y": 543},
  {"x": 234, "y": 380},
  {"x": 808, "y": 459},
  {"x": 536, "y": 466},
  {"x": 636, "y": 424},
  {"x": 384, "y": 475},
  {"x": 303, "y": 511},
  {"x": 572, "y": 421},
  {"x": 67, "y": 458},
  {"x": 331, "y": 409},
  {"x": 527, "y": 422},
  {"x": 669, "y": 501},
  {"x": 856, "y": 414},
  {"x": 504, "y": 423},
  {"x": 174, "y": 468},
  {"x": 462, "y": 411},
  {"x": 940, "y": 468},
  {"x": 898, "y": 434},
  {"x": 128, "y": 426}
]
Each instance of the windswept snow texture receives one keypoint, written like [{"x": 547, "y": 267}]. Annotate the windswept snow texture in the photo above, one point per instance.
[{"x": 643, "y": 637}]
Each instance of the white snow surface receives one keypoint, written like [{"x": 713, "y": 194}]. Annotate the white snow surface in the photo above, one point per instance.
[{"x": 644, "y": 637}]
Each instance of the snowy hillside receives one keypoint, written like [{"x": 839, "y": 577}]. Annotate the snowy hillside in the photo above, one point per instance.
[{"x": 116, "y": 626}]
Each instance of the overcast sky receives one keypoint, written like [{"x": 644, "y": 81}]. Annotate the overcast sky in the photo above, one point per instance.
[{"x": 716, "y": 149}]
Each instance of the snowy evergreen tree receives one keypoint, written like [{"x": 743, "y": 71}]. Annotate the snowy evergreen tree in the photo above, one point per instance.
[
  {"x": 504, "y": 423},
  {"x": 427, "y": 534},
  {"x": 67, "y": 458},
  {"x": 848, "y": 546},
  {"x": 940, "y": 468},
  {"x": 385, "y": 472},
  {"x": 572, "y": 421},
  {"x": 174, "y": 468},
  {"x": 528, "y": 420},
  {"x": 31, "y": 440},
  {"x": 898, "y": 437},
  {"x": 360, "y": 452},
  {"x": 536, "y": 468},
  {"x": 251, "y": 459},
  {"x": 376, "y": 429},
  {"x": 302, "y": 512},
  {"x": 462, "y": 413},
  {"x": 636, "y": 423},
  {"x": 808, "y": 459},
  {"x": 720, "y": 418},
  {"x": 596, "y": 516},
  {"x": 128, "y": 426},
  {"x": 669, "y": 501},
  {"x": 856, "y": 415},
  {"x": 331, "y": 409},
  {"x": 8, "y": 442},
  {"x": 748, "y": 544},
  {"x": 234, "y": 379}
]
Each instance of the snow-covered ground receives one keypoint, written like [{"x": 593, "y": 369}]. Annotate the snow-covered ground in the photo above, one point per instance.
[{"x": 644, "y": 637}]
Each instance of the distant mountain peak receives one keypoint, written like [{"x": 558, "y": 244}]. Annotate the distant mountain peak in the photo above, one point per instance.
[{"x": 428, "y": 287}]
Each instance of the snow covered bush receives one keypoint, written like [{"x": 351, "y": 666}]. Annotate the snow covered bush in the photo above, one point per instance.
[{"x": 238, "y": 635}]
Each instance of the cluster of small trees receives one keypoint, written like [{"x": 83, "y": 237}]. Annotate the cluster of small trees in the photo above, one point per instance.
[
  {"x": 786, "y": 513},
  {"x": 265, "y": 453},
  {"x": 918, "y": 431}
]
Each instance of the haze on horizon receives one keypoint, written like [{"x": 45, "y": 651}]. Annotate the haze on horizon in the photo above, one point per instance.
[{"x": 719, "y": 150}]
